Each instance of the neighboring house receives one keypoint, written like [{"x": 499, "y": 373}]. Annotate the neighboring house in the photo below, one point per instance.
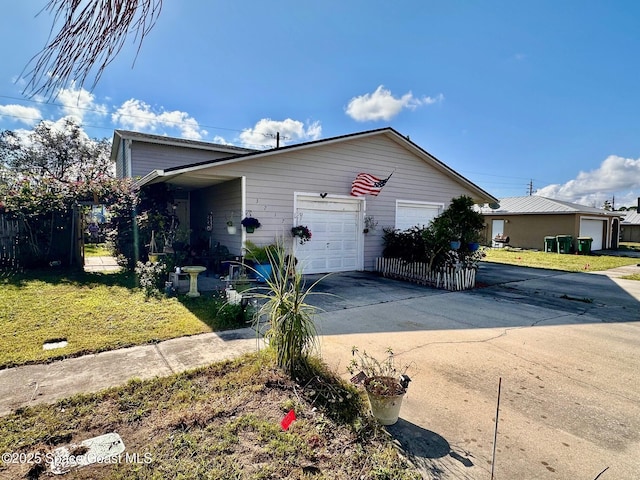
[
  {"x": 305, "y": 184},
  {"x": 630, "y": 226},
  {"x": 527, "y": 220}
]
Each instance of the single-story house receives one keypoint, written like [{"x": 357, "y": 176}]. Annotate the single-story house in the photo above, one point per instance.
[
  {"x": 305, "y": 184},
  {"x": 527, "y": 220},
  {"x": 630, "y": 226}
]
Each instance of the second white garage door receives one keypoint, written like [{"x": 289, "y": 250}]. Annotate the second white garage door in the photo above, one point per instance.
[
  {"x": 593, "y": 229},
  {"x": 336, "y": 240}
]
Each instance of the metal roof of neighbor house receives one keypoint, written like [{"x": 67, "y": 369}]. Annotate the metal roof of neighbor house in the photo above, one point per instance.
[
  {"x": 162, "y": 175},
  {"x": 534, "y": 204},
  {"x": 631, "y": 218}
]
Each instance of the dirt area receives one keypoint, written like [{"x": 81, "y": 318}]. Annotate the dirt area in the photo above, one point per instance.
[{"x": 222, "y": 421}]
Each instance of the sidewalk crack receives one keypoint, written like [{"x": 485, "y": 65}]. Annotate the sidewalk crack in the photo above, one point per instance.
[{"x": 164, "y": 358}]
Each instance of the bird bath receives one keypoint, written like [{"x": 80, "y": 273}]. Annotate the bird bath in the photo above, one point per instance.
[{"x": 193, "y": 271}]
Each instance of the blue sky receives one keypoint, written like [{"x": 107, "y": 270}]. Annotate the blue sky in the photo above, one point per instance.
[{"x": 504, "y": 92}]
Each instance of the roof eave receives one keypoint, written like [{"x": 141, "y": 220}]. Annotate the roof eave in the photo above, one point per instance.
[
  {"x": 152, "y": 177},
  {"x": 487, "y": 197}
]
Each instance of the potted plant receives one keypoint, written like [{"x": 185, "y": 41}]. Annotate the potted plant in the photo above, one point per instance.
[
  {"x": 369, "y": 224},
  {"x": 250, "y": 224},
  {"x": 473, "y": 242},
  {"x": 384, "y": 382},
  {"x": 302, "y": 232},
  {"x": 153, "y": 248},
  {"x": 231, "y": 228},
  {"x": 260, "y": 257}
]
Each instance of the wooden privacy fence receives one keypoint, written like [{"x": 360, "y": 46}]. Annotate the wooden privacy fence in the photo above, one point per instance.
[
  {"x": 9, "y": 230},
  {"x": 449, "y": 278}
]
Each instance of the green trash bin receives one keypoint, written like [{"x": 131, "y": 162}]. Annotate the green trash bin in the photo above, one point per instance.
[
  {"x": 564, "y": 243},
  {"x": 584, "y": 245},
  {"x": 550, "y": 245}
]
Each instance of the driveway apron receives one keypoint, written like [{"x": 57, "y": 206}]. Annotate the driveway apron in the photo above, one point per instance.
[{"x": 564, "y": 344}]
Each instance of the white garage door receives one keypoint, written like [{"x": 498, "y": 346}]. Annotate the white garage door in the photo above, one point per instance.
[
  {"x": 335, "y": 244},
  {"x": 410, "y": 214},
  {"x": 593, "y": 229}
]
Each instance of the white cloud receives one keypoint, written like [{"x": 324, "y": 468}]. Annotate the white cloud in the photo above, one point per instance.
[
  {"x": 78, "y": 103},
  {"x": 27, "y": 115},
  {"x": 138, "y": 115},
  {"x": 382, "y": 105},
  {"x": 263, "y": 134},
  {"x": 615, "y": 176},
  {"x": 220, "y": 140}
]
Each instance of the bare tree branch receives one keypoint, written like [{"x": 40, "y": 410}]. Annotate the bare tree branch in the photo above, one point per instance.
[{"x": 92, "y": 34}]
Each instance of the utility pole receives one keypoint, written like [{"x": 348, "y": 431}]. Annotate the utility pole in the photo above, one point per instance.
[
  {"x": 530, "y": 189},
  {"x": 277, "y": 137}
]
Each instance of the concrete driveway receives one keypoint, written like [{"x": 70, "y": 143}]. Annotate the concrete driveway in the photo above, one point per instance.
[{"x": 566, "y": 346}]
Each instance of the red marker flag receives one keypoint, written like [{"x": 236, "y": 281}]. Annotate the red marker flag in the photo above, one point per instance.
[{"x": 288, "y": 420}]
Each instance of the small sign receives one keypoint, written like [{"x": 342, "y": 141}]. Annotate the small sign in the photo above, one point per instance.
[
  {"x": 359, "y": 378},
  {"x": 288, "y": 420}
]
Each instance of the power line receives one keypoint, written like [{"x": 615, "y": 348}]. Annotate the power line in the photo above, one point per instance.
[{"x": 102, "y": 112}]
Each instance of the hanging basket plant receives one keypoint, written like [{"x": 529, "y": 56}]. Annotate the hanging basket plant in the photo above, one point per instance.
[
  {"x": 250, "y": 224},
  {"x": 302, "y": 232}
]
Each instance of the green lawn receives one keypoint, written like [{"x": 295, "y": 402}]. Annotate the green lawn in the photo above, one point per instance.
[
  {"x": 556, "y": 261},
  {"x": 96, "y": 250},
  {"x": 94, "y": 312},
  {"x": 635, "y": 276}
]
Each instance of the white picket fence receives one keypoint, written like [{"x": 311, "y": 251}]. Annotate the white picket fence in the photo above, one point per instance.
[{"x": 448, "y": 278}]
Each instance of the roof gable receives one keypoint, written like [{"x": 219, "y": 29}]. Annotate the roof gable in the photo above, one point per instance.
[
  {"x": 390, "y": 133},
  {"x": 119, "y": 135}
]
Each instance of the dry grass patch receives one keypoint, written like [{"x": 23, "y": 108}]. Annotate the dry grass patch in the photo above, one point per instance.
[{"x": 222, "y": 421}]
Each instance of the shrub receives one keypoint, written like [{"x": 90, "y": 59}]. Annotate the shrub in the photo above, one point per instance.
[
  {"x": 292, "y": 331},
  {"x": 432, "y": 244},
  {"x": 151, "y": 277}
]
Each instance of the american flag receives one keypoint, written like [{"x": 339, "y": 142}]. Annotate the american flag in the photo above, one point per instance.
[{"x": 366, "y": 183}]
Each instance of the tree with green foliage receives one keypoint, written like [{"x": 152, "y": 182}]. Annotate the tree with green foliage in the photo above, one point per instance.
[
  {"x": 60, "y": 152},
  {"x": 44, "y": 175}
]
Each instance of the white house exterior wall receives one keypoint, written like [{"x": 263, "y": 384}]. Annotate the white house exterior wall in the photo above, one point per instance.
[{"x": 271, "y": 182}]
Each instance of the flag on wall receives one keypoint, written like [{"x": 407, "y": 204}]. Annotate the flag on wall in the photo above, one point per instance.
[{"x": 367, "y": 184}]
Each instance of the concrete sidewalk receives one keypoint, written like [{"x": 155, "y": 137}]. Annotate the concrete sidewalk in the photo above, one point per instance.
[
  {"x": 33, "y": 384},
  {"x": 101, "y": 264}
]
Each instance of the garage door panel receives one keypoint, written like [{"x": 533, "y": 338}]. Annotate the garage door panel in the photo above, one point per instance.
[
  {"x": 350, "y": 245},
  {"x": 334, "y": 246},
  {"x": 409, "y": 215},
  {"x": 335, "y": 227},
  {"x": 593, "y": 229}
]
